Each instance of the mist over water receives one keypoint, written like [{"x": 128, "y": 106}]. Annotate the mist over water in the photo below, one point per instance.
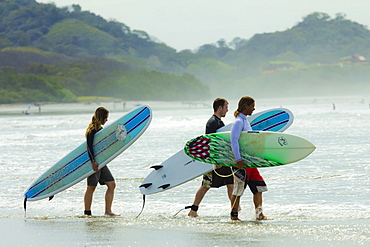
[{"x": 322, "y": 200}]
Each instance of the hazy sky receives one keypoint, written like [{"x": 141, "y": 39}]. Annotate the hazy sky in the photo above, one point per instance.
[{"x": 188, "y": 24}]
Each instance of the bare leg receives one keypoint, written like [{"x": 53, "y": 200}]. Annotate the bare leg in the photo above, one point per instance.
[
  {"x": 88, "y": 197},
  {"x": 198, "y": 198},
  {"x": 235, "y": 204},
  {"x": 230, "y": 188},
  {"x": 109, "y": 195},
  {"x": 257, "y": 200}
]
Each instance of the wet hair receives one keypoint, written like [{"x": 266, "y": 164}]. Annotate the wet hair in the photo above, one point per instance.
[
  {"x": 244, "y": 101},
  {"x": 218, "y": 102},
  {"x": 97, "y": 120}
]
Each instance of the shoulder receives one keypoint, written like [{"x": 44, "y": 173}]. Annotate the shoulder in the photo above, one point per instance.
[
  {"x": 213, "y": 124},
  {"x": 238, "y": 119},
  {"x": 92, "y": 133},
  {"x": 237, "y": 122},
  {"x": 211, "y": 119}
]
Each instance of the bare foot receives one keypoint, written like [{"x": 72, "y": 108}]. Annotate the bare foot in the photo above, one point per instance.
[
  {"x": 193, "y": 213},
  {"x": 260, "y": 215},
  {"x": 112, "y": 214}
]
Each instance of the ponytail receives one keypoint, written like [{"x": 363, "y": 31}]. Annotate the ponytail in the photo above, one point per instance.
[
  {"x": 243, "y": 102},
  {"x": 97, "y": 120}
]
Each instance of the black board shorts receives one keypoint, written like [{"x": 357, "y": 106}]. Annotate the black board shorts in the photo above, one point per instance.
[
  {"x": 213, "y": 180},
  {"x": 102, "y": 176}
]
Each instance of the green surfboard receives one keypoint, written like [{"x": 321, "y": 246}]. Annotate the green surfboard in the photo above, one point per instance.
[{"x": 257, "y": 148}]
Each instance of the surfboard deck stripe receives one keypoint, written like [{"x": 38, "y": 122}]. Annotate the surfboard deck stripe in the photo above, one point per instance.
[
  {"x": 258, "y": 121},
  {"x": 271, "y": 128},
  {"x": 76, "y": 162},
  {"x": 263, "y": 123}
]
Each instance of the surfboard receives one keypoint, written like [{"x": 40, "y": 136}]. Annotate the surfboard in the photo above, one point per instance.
[
  {"x": 257, "y": 148},
  {"x": 276, "y": 119},
  {"x": 76, "y": 166},
  {"x": 180, "y": 168}
]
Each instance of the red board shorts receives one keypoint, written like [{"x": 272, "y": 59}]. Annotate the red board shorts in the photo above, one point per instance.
[{"x": 250, "y": 177}]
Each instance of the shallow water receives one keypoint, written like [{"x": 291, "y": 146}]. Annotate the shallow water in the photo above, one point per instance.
[{"x": 323, "y": 200}]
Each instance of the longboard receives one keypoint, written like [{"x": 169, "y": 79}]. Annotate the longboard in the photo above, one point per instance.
[
  {"x": 76, "y": 166},
  {"x": 180, "y": 168},
  {"x": 257, "y": 148}
]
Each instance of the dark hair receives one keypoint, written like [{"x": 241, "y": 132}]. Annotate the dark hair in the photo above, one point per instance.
[
  {"x": 218, "y": 102},
  {"x": 246, "y": 100}
]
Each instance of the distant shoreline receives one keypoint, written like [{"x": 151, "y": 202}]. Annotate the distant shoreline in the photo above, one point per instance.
[
  {"x": 87, "y": 107},
  {"x": 123, "y": 106}
]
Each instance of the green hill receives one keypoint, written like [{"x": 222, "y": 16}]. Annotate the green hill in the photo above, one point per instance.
[
  {"x": 60, "y": 54},
  {"x": 317, "y": 39},
  {"x": 55, "y": 54},
  {"x": 293, "y": 62},
  {"x": 76, "y": 38},
  {"x": 20, "y": 58}
]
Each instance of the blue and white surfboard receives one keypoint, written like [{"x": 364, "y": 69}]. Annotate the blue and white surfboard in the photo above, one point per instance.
[
  {"x": 76, "y": 166},
  {"x": 277, "y": 120}
]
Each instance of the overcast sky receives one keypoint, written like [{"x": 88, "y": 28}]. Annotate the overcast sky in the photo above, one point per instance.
[{"x": 188, "y": 24}]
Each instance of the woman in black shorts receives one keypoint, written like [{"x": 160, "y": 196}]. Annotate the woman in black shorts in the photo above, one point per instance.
[{"x": 103, "y": 176}]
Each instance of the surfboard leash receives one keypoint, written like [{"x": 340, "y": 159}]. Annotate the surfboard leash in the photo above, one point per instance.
[
  {"x": 221, "y": 175},
  {"x": 225, "y": 176},
  {"x": 141, "y": 208},
  {"x": 193, "y": 207}
]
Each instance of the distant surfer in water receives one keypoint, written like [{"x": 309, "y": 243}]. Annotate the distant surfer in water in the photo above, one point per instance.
[
  {"x": 245, "y": 176},
  {"x": 103, "y": 176},
  {"x": 212, "y": 179}
]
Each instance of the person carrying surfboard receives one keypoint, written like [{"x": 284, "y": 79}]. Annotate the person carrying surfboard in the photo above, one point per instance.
[
  {"x": 212, "y": 179},
  {"x": 103, "y": 176},
  {"x": 245, "y": 176}
]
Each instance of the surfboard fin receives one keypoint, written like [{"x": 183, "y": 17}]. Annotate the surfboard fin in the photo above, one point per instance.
[
  {"x": 156, "y": 167},
  {"x": 51, "y": 197},
  {"x": 25, "y": 205},
  {"x": 145, "y": 185},
  {"x": 164, "y": 186}
]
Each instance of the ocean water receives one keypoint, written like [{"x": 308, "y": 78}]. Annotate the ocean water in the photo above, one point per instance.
[{"x": 323, "y": 200}]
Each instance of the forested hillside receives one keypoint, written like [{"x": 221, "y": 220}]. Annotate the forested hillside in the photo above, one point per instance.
[
  {"x": 318, "y": 56},
  {"x": 58, "y": 54},
  {"x": 80, "y": 54}
]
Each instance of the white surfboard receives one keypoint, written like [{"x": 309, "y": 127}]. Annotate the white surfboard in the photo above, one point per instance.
[
  {"x": 180, "y": 168},
  {"x": 76, "y": 166}
]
